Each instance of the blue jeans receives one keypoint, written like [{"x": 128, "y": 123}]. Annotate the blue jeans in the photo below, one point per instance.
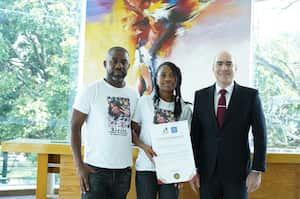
[
  {"x": 108, "y": 183},
  {"x": 147, "y": 187}
]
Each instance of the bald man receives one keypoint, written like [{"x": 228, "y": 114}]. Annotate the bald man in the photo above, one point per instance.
[{"x": 223, "y": 115}]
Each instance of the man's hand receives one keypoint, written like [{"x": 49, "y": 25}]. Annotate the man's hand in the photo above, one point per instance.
[
  {"x": 253, "y": 181},
  {"x": 194, "y": 183},
  {"x": 83, "y": 174},
  {"x": 149, "y": 151}
]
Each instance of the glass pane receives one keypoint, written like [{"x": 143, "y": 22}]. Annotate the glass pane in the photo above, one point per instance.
[
  {"x": 277, "y": 70},
  {"x": 39, "y": 50}
]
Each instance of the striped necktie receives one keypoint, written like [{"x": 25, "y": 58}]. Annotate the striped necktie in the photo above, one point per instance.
[{"x": 221, "y": 108}]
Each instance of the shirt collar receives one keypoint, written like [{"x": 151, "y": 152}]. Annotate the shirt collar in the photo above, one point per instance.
[{"x": 228, "y": 89}]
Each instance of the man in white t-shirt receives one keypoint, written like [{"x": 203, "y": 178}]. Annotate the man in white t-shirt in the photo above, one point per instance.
[{"x": 106, "y": 107}]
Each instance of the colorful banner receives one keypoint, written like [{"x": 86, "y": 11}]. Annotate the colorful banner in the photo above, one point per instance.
[{"x": 186, "y": 32}]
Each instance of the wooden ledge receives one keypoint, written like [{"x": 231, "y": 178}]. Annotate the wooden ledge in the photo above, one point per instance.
[
  {"x": 63, "y": 147},
  {"x": 291, "y": 158}
]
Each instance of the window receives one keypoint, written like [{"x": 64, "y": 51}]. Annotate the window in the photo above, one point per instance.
[
  {"x": 39, "y": 48},
  {"x": 277, "y": 70}
]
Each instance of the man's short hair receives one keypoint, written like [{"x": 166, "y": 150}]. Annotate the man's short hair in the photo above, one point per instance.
[{"x": 117, "y": 48}]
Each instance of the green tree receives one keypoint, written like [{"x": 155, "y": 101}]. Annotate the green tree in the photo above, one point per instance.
[
  {"x": 277, "y": 76},
  {"x": 38, "y": 64}
]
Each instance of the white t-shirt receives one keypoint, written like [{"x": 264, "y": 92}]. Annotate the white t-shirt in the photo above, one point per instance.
[
  {"x": 107, "y": 140},
  {"x": 145, "y": 114}
]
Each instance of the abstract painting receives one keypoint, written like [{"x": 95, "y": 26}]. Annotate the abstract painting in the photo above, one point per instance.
[{"x": 186, "y": 32}]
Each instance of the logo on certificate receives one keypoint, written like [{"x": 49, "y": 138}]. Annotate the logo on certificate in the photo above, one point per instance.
[
  {"x": 176, "y": 176},
  {"x": 165, "y": 131},
  {"x": 174, "y": 129}
]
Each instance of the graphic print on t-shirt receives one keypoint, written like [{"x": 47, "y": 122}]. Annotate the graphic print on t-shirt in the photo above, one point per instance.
[
  {"x": 163, "y": 116},
  {"x": 118, "y": 115}
]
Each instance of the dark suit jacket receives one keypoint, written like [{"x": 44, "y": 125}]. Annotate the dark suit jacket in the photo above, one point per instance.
[{"x": 229, "y": 145}]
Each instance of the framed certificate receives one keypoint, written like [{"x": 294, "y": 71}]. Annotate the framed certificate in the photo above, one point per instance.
[{"x": 174, "y": 161}]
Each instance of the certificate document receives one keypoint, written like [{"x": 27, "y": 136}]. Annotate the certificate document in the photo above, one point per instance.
[{"x": 172, "y": 143}]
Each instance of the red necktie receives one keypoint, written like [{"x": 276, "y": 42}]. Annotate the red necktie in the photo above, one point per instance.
[{"x": 221, "y": 108}]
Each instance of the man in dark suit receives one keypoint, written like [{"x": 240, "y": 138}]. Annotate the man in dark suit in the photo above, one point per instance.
[{"x": 223, "y": 114}]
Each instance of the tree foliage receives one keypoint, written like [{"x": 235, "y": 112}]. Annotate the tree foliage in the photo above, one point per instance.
[
  {"x": 39, "y": 42},
  {"x": 277, "y": 75}
]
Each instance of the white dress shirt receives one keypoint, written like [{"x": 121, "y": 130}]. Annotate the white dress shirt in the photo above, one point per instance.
[{"x": 228, "y": 94}]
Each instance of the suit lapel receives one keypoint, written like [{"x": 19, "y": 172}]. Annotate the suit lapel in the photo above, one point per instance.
[
  {"x": 211, "y": 99},
  {"x": 232, "y": 102}
]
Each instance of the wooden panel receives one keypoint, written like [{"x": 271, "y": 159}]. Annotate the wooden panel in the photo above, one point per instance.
[
  {"x": 53, "y": 163},
  {"x": 281, "y": 181},
  {"x": 298, "y": 181},
  {"x": 132, "y": 192},
  {"x": 42, "y": 175},
  {"x": 37, "y": 146},
  {"x": 187, "y": 192},
  {"x": 283, "y": 158},
  {"x": 69, "y": 181}
]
